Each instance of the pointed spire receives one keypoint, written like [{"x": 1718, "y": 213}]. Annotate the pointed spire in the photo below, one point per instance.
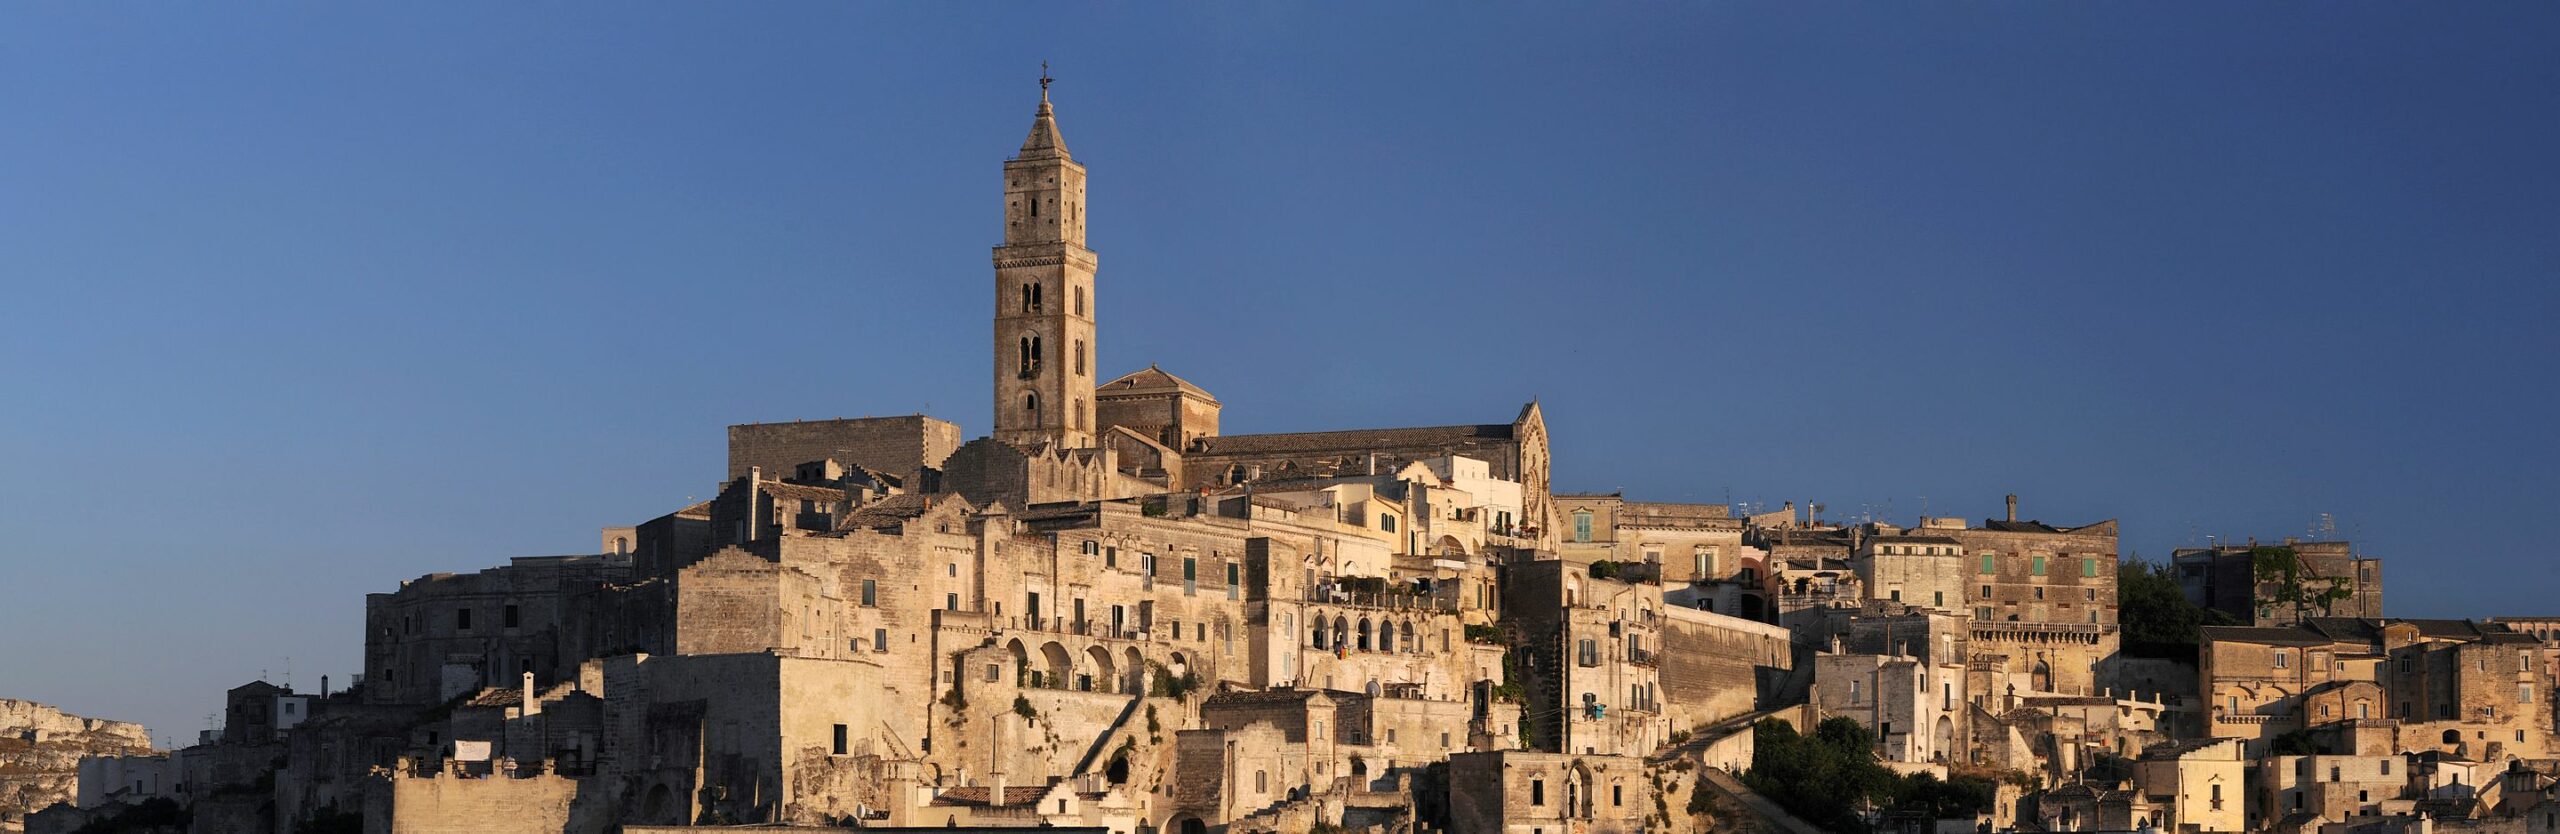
[{"x": 1044, "y": 142}]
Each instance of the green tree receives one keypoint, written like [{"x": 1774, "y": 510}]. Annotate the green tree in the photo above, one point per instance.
[
  {"x": 2156, "y": 616},
  {"x": 2285, "y": 581}
]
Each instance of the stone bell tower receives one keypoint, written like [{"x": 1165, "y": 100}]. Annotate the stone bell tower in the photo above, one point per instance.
[{"x": 1044, "y": 295}]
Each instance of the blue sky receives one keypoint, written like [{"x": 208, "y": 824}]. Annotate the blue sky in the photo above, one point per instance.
[{"x": 304, "y": 300}]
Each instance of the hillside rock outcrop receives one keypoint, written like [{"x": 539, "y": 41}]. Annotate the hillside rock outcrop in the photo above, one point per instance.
[{"x": 40, "y": 751}]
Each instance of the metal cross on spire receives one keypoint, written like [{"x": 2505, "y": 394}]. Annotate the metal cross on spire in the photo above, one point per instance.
[{"x": 1044, "y": 78}]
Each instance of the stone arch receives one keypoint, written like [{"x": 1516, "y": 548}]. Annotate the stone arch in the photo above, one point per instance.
[
  {"x": 1404, "y": 637},
  {"x": 1179, "y": 666},
  {"x": 1946, "y": 736},
  {"x": 1057, "y": 665},
  {"x": 1134, "y": 666},
  {"x": 1341, "y": 633},
  {"x": 1022, "y": 671},
  {"x": 1450, "y": 546},
  {"x": 1098, "y": 677},
  {"x": 2041, "y": 680},
  {"x": 1577, "y": 791},
  {"x": 1316, "y": 635},
  {"x": 1364, "y": 635},
  {"x": 659, "y": 807}
]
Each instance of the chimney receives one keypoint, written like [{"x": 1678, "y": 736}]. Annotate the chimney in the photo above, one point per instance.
[
  {"x": 324, "y": 686},
  {"x": 528, "y": 696},
  {"x": 2013, "y": 506},
  {"x": 995, "y": 762}
]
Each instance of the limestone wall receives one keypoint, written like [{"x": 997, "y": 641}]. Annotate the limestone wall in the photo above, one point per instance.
[
  {"x": 453, "y": 805},
  {"x": 898, "y": 446},
  {"x": 1712, "y": 664}
]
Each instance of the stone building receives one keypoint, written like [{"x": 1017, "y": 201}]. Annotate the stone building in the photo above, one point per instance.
[
  {"x": 1698, "y": 547},
  {"x": 1519, "y": 792},
  {"x": 1916, "y": 708},
  {"x": 2381, "y": 685},
  {"x": 2225, "y": 578},
  {"x": 2197, "y": 785},
  {"x": 1590, "y": 648}
]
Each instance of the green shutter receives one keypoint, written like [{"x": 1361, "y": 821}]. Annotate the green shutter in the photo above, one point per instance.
[
  {"x": 2039, "y": 566},
  {"x": 2088, "y": 567},
  {"x": 1988, "y": 567}
]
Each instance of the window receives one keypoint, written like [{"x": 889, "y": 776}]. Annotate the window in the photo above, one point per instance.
[
  {"x": 1387, "y": 522},
  {"x": 2333, "y": 773},
  {"x": 1938, "y": 598},
  {"x": 993, "y": 672},
  {"x": 511, "y": 617},
  {"x": 1617, "y": 795},
  {"x": 870, "y": 593},
  {"x": 2281, "y": 661},
  {"x": 1989, "y": 567},
  {"x": 840, "y": 739},
  {"x": 1261, "y": 782},
  {"x": 1986, "y": 592},
  {"x": 1590, "y": 652},
  {"x": 2088, "y": 567},
  {"x": 1582, "y": 526},
  {"x": 1190, "y": 575},
  {"x": 2039, "y": 566},
  {"x": 2364, "y": 711},
  {"x": 880, "y": 640},
  {"x": 1896, "y": 594},
  {"x": 1111, "y": 557},
  {"x": 1537, "y": 791},
  {"x": 1079, "y": 301},
  {"x": 2524, "y": 693},
  {"x": 2386, "y": 764},
  {"x": 950, "y": 602},
  {"x": 462, "y": 619},
  {"x": 1982, "y": 612},
  {"x": 1079, "y": 357}
]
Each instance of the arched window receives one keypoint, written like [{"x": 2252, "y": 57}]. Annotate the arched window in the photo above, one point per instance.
[
  {"x": 1031, "y": 405},
  {"x": 1079, "y": 301},
  {"x": 1080, "y": 357}
]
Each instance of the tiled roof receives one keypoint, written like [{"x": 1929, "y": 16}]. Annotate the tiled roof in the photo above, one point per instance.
[
  {"x": 2174, "y": 749},
  {"x": 2268, "y": 635},
  {"x": 887, "y": 512},
  {"x": 800, "y": 492},
  {"x": 2019, "y": 526},
  {"x": 1351, "y": 440},
  {"x": 1151, "y": 380}
]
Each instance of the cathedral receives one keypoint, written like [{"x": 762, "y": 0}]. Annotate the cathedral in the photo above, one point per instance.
[{"x": 1103, "y": 613}]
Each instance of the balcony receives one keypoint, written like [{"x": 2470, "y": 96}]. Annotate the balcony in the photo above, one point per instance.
[{"x": 1391, "y": 600}]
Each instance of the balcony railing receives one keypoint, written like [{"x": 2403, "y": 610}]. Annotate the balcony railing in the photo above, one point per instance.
[{"x": 1391, "y": 600}]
